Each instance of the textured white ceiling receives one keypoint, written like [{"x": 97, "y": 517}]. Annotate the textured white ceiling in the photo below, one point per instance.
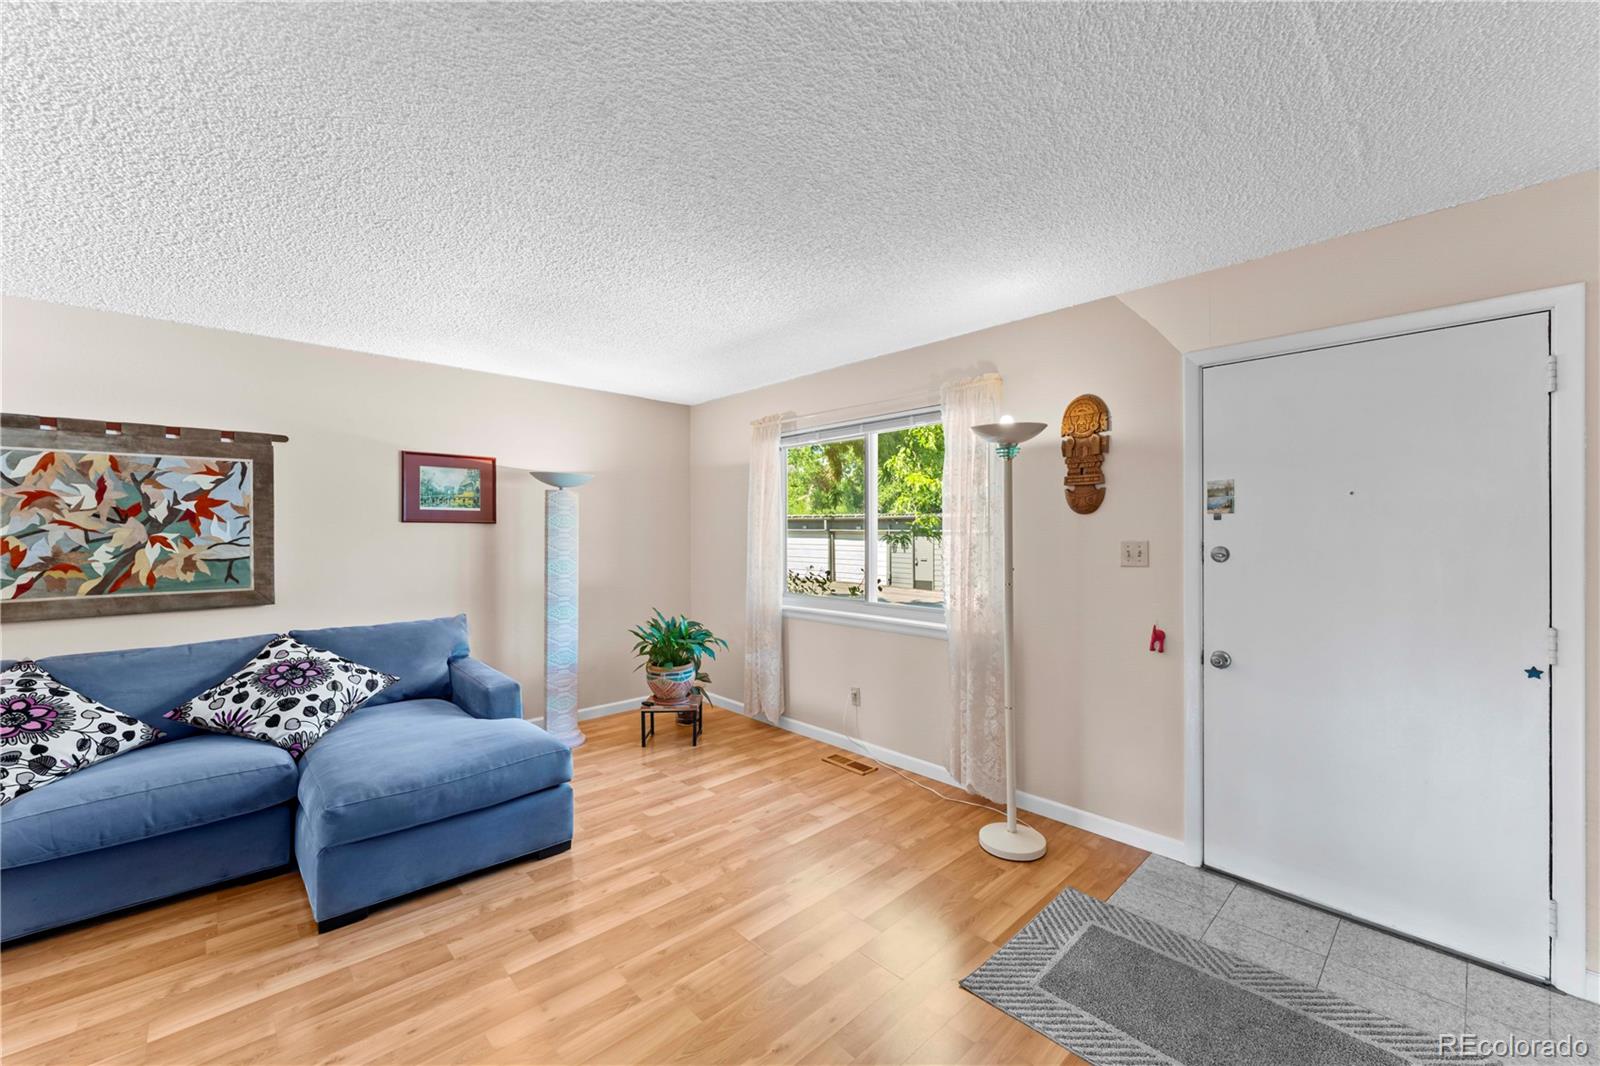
[{"x": 685, "y": 201}]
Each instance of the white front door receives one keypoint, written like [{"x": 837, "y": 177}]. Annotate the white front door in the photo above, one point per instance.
[{"x": 1377, "y": 744}]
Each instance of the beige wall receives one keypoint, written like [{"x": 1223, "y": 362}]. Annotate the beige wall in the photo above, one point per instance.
[
  {"x": 1101, "y": 725},
  {"x": 1101, "y": 719},
  {"x": 343, "y": 555}
]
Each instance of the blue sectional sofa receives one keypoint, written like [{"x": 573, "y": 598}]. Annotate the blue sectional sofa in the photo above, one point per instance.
[{"x": 435, "y": 777}]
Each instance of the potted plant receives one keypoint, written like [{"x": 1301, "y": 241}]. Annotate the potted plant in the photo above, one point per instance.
[{"x": 672, "y": 650}]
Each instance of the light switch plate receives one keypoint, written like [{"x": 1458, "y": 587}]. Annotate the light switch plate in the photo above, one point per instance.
[{"x": 1135, "y": 553}]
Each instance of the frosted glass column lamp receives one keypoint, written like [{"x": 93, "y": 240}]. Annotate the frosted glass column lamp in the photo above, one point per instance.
[
  {"x": 561, "y": 604},
  {"x": 1007, "y": 839}
]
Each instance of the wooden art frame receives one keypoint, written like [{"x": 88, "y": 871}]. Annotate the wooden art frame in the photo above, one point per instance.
[
  {"x": 412, "y": 508},
  {"x": 108, "y": 518}
]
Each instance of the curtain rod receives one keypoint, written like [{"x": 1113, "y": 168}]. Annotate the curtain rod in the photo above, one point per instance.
[{"x": 919, "y": 399}]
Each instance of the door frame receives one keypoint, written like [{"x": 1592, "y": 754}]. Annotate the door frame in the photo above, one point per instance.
[{"x": 1568, "y": 575}]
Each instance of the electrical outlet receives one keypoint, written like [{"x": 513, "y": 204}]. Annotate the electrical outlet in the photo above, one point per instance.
[
  {"x": 1135, "y": 553},
  {"x": 855, "y": 697}
]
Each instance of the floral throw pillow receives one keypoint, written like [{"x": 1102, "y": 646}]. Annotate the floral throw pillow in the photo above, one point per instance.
[
  {"x": 290, "y": 694},
  {"x": 48, "y": 730}
]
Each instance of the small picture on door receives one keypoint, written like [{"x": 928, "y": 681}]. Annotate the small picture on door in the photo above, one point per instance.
[{"x": 1219, "y": 497}]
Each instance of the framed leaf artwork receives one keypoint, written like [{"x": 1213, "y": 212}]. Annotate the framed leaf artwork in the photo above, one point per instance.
[
  {"x": 103, "y": 518},
  {"x": 438, "y": 487}
]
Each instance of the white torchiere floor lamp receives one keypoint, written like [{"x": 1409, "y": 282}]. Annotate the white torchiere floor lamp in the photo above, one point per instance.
[
  {"x": 1007, "y": 839},
  {"x": 561, "y": 605}
]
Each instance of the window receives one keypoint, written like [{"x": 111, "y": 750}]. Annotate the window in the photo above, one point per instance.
[{"x": 865, "y": 504}]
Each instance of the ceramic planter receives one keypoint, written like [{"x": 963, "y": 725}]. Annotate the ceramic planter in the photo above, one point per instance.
[{"x": 669, "y": 684}]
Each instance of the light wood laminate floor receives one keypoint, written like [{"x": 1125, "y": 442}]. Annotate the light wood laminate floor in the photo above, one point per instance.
[{"x": 737, "y": 902}]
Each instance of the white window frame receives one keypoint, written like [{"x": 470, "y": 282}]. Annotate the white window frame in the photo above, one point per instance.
[{"x": 868, "y": 612}]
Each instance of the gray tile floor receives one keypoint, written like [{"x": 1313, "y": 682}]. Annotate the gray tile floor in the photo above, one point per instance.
[{"x": 1432, "y": 991}]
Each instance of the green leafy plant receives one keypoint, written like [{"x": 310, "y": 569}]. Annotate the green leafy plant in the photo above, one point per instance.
[
  {"x": 666, "y": 642},
  {"x": 911, "y": 483}
]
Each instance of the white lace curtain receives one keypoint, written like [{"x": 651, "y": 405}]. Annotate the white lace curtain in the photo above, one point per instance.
[
  {"x": 974, "y": 589},
  {"x": 763, "y": 572}
]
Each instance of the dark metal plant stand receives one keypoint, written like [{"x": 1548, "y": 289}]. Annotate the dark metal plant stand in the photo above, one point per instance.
[{"x": 695, "y": 707}]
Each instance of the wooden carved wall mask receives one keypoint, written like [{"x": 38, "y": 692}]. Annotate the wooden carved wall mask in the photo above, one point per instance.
[{"x": 1085, "y": 440}]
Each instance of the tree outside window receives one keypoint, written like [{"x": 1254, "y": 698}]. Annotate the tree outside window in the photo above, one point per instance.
[{"x": 827, "y": 528}]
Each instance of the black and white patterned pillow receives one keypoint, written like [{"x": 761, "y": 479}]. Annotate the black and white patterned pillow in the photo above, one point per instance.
[
  {"x": 48, "y": 730},
  {"x": 290, "y": 695}
]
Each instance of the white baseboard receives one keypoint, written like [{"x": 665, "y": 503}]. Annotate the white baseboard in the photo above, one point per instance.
[
  {"x": 600, "y": 710},
  {"x": 931, "y": 770},
  {"x": 727, "y": 703},
  {"x": 1132, "y": 835},
  {"x": 1086, "y": 820},
  {"x": 1591, "y": 987}
]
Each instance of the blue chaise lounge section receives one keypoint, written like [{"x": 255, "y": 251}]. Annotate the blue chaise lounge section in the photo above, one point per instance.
[{"x": 437, "y": 777}]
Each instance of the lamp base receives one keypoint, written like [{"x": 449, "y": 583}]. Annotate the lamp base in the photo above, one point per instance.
[
  {"x": 571, "y": 736},
  {"x": 1024, "y": 845}
]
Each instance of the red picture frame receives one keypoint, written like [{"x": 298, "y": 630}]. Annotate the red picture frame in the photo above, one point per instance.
[{"x": 440, "y": 487}]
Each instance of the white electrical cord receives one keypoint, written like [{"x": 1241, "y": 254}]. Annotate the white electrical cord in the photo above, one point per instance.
[{"x": 861, "y": 748}]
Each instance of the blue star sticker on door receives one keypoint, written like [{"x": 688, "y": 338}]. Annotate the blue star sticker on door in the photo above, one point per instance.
[{"x": 1534, "y": 672}]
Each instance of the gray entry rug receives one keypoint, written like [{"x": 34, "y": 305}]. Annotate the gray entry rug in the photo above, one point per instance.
[{"x": 1120, "y": 990}]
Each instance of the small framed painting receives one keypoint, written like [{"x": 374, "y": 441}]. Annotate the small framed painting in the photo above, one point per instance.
[{"x": 446, "y": 488}]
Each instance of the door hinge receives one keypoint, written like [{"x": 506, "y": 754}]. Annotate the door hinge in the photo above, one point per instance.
[
  {"x": 1552, "y": 918},
  {"x": 1552, "y": 366},
  {"x": 1552, "y": 642}
]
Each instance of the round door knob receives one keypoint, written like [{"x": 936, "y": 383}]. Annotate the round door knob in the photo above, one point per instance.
[
  {"x": 1219, "y": 554},
  {"x": 1221, "y": 660}
]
